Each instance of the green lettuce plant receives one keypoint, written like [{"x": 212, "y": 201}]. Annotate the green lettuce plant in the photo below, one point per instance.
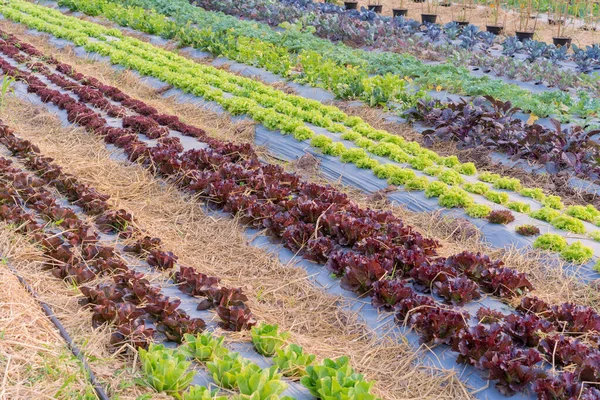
[
  {"x": 203, "y": 347},
  {"x": 550, "y": 241},
  {"x": 267, "y": 339},
  {"x": 292, "y": 361},
  {"x": 577, "y": 253},
  {"x": 166, "y": 370}
]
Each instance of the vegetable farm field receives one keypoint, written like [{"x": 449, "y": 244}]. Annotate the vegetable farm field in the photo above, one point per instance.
[{"x": 297, "y": 199}]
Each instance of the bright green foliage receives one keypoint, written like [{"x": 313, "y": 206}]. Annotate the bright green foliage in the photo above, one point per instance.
[
  {"x": 292, "y": 361},
  {"x": 449, "y": 161},
  {"x": 353, "y": 155},
  {"x": 302, "y": 133},
  {"x": 568, "y": 223},
  {"x": 418, "y": 183},
  {"x": 534, "y": 193},
  {"x": 594, "y": 235},
  {"x": 202, "y": 393},
  {"x": 320, "y": 141},
  {"x": 401, "y": 176},
  {"x": 350, "y": 135},
  {"x": 364, "y": 142},
  {"x": 466, "y": 168},
  {"x": 336, "y": 380},
  {"x": 519, "y": 206},
  {"x": 478, "y": 210},
  {"x": 384, "y": 171},
  {"x": 577, "y": 253},
  {"x": 384, "y": 149},
  {"x": 545, "y": 214},
  {"x": 477, "y": 187},
  {"x": 225, "y": 369},
  {"x": 165, "y": 370},
  {"x": 553, "y": 202},
  {"x": 436, "y": 189},
  {"x": 203, "y": 347},
  {"x": 455, "y": 197},
  {"x": 367, "y": 163},
  {"x": 400, "y": 156},
  {"x": 507, "y": 183},
  {"x": 267, "y": 340},
  {"x": 433, "y": 170},
  {"x": 335, "y": 149},
  {"x": 420, "y": 162},
  {"x": 255, "y": 383},
  {"x": 488, "y": 177},
  {"x": 497, "y": 197},
  {"x": 586, "y": 213},
  {"x": 550, "y": 241},
  {"x": 451, "y": 177}
]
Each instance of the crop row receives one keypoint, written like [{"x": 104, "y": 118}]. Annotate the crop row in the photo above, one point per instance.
[
  {"x": 131, "y": 297},
  {"x": 217, "y": 175},
  {"x": 319, "y": 66},
  {"x": 486, "y": 122},
  {"x": 398, "y": 150},
  {"x": 365, "y": 28},
  {"x": 167, "y": 369},
  {"x": 448, "y": 197}
]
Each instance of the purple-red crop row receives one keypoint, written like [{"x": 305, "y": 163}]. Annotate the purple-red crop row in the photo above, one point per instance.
[
  {"x": 230, "y": 303},
  {"x": 372, "y": 251}
]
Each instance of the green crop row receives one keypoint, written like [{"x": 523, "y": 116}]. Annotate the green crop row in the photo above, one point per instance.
[
  {"x": 345, "y": 71},
  {"x": 168, "y": 370}
]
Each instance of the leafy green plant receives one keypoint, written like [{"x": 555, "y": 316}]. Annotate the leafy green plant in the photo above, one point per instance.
[
  {"x": 202, "y": 393},
  {"x": 166, "y": 370},
  {"x": 6, "y": 88},
  {"x": 545, "y": 214},
  {"x": 519, "y": 206},
  {"x": 292, "y": 361},
  {"x": 568, "y": 223},
  {"x": 497, "y": 197},
  {"x": 451, "y": 177},
  {"x": 401, "y": 176},
  {"x": 255, "y": 383},
  {"x": 418, "y": 183},
  {"x": 267, "y": 339},
  {"x": 478, "y": 210},
  {"x": 594, "y": 235},
  {"x": 467, "y": 168},
  {"x": 353, "y": 155},
  {"x": 488, "y": 177},
  {"x": 455, "y": 197},
  {"x": 553, "y": 202},
  {"x": 586, "y": 213},
  {"x": 534, "y": 193},
  {"x": 331, "y": 378},
  {"x": 507, "y": 183},
  {"x": 433, "y": 170},
  {"x": 550, "y": 241},
  {"x": 577, "y": 253},
  {"x": 203, "y": 347},
  {"x": 225, "y": 369},
  {"x": 477, "y": 187},
  {"x": 436, "y": 189}
]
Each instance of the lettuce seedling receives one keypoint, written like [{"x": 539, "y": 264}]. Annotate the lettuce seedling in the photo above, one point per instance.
[
  {"x": 477, "y": 187},
  {"x": 488, "y": 177},
  {"x": 550, "y": 241},
  {"x": 436, "y": 189},
  {"x": 451, "y": 177},
  {"x": 455, "y": 197},
  {"x": 292, "y": 361},
  {"x": 497, "y": 197},
  {"x": 478, "y": 210},
  {"x": 519, "y": 206},
  {"x": 225, "y": 369},
  {"x": 567, "y": 223},
  {"x": 466, "y": 169},
  {"x": 553, "y": 202},
  {"x": 587, "y": 213},
  {"x": 202, "y": 393},
  {"x": 418, "y": 183},
  {"x": 166, "y": 370},
  {"x": 534, "y": 193},
  {"x": 508, "y": 184},
  {"x": 203, "y": 347},
  {"x": 258, "y": 384},
  {"x": 577, "y": 253},
  {"x": 267, "y": 340},
  {"x": 544, "y": 214}
]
